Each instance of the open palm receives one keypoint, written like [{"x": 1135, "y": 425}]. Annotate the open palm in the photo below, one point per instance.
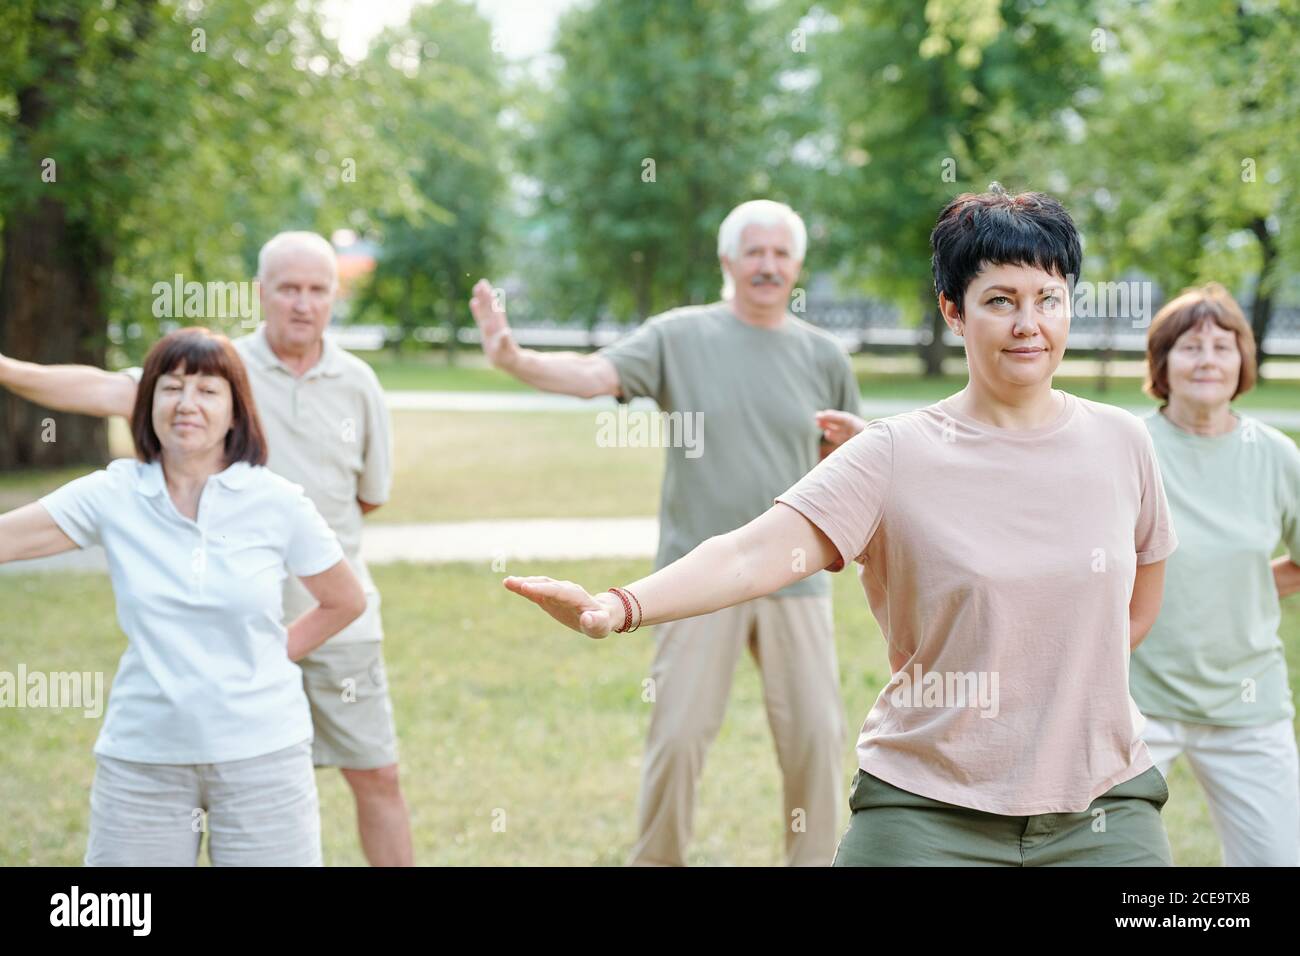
[
  {"x": 490, "y": 316},
  {"x": 566, "y": 602}
]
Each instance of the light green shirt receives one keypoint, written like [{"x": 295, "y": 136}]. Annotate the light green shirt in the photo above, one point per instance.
[
  {"x": 1214, "y": 655},
  {"x": 752, "y": 394}
]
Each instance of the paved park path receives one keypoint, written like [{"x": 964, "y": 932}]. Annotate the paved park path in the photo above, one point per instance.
[{"x": 506, "y": 540}]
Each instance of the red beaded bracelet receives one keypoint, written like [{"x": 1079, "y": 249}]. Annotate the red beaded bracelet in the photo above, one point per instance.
[
  {"x": 627, "y": 610},
  {"x": 639, "y": 613}
]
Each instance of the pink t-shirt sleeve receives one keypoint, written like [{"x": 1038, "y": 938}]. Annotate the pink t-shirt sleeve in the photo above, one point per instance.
[
  {"x": 845, "y": 494},
  {"x": 1153, "y": 536}
]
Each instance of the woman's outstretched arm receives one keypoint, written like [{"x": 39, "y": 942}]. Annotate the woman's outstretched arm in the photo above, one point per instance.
[
  {"x": 29, "y": 532},
  {"x": 82, "y": 389},
  {"x": 777, "y": 548}
]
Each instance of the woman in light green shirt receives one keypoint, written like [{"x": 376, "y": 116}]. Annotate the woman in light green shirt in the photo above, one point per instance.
[{"x": 1211, "y": 677}]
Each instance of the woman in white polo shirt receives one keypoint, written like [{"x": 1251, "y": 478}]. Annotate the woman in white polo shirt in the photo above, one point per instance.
[
  {"x": 1212, "y": 677},
  {"x": 1012, "y": 539},
  {"x": 207, "y": 728}
]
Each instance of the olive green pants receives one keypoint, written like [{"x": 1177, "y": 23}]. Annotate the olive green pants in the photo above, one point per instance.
[{"x": 892, "y": 827}]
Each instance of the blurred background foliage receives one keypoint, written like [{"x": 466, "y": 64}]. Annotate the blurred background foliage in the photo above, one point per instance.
[{"x": 141, "y": 139}]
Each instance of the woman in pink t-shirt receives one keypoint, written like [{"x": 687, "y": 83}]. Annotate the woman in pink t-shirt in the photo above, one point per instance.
[{"x": 1012, "y": 541}]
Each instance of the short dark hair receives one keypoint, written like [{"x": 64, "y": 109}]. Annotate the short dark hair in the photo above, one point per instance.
[
  {"x": 997, "y": 228},
  {"x": 199, "y": 351}
]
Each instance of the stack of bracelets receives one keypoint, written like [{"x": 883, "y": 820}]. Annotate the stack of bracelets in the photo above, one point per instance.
[{"x": 623, "y": 594}]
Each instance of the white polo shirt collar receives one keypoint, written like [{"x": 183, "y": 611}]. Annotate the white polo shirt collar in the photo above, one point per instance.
[{"x": 153, "y": 483}]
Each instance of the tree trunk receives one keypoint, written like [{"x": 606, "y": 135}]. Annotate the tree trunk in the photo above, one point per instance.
[
  {"x": 51, "y": 312},
  {"x": 403, "y": 319},
  {"x": 1261, "y": 310},
  {"x": 932, "y": 352},
  {"x": 643, "y": 289},
  {"x": 51, "y": 308},
  {"x": 453, "y": 340},
  {"x": 1107, "y": 353}
]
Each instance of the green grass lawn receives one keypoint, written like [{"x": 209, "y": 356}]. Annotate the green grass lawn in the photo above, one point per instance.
[
  {"x": 430, "y": 371},
  {"x": 497, "y": 710},
  {"x": 462, "y": 466}
]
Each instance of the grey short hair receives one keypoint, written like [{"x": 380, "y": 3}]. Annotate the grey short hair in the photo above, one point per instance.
[
  {"x": 284, "y": 241},
  {"x": 757, "y": 212}
]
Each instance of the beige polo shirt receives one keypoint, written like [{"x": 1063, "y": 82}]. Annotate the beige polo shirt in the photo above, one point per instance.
[{"x": 328, "y": 431}]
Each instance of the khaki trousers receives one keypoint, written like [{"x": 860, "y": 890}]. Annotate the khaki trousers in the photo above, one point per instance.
[{"x": 793, "y": 641}]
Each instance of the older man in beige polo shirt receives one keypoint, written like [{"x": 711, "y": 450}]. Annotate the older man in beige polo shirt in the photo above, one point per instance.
[{"x": 328, "y": 429}]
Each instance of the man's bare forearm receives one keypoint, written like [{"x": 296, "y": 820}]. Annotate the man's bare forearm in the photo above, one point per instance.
[
  {"x": 567, "y": 373},
  {"x": 81, "y": 389}
]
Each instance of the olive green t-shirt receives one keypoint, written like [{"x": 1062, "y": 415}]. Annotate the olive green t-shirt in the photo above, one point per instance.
[
  {"x": 1214, "y": 655},
  {"x": 751, "y": 395}
]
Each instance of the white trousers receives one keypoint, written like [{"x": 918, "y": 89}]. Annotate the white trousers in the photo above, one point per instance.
[{"x": 1251, "y": 778}]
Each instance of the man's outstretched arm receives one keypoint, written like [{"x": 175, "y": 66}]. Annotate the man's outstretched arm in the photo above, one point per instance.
[
  {"x": 569, "y": 373},
  {"x": 81, "y": 389}
]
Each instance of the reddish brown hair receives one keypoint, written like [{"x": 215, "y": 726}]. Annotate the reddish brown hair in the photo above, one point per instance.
[
  {"x": 1192, "y": 308},
  {"x": 199, "y": 351}
]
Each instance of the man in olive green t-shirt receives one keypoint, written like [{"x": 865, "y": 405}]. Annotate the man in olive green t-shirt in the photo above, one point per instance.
[{"x": 750, "y": 398}]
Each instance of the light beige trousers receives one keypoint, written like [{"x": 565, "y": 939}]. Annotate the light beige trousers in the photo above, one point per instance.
[
  {"x": 260, "y": 811},
  {"x": 793, "y": 641}
]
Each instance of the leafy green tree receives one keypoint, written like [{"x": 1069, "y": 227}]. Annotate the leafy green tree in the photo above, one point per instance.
[
  {"x": 921, "y": 102},
  {"x": 1187, "y": 168},
  {"x": 662, "y": 118},
  {"x": 147, "y": 138},
  {"x": 441, "y": 85}
]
